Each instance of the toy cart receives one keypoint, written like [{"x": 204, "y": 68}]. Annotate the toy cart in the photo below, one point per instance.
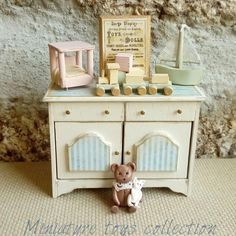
[
  {"x": 109, "y": 83},
  {"x": 134, "y": 81},
  {"x": 160, "y": 82}
]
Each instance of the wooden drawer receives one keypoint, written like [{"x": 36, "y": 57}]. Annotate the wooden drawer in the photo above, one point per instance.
[
  {"x": 87, "y": 111},
  {"x": 161, "y": 111}
]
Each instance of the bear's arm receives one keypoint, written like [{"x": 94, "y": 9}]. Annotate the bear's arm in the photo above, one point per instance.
[{"x": 115, "y": 198}]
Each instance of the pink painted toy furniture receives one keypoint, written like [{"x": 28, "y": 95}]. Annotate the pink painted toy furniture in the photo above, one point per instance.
[{"x": 66, "y": 63}]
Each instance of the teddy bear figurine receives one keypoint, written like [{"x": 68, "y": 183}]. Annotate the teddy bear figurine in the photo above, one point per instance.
[{"x": 123, "y": 186}]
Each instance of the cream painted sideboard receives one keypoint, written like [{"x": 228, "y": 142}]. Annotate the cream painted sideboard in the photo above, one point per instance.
[{"x": 89, "y": 133}]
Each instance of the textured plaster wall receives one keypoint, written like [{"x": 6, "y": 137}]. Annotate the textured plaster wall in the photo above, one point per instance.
[{"x": 26, "y": 27}]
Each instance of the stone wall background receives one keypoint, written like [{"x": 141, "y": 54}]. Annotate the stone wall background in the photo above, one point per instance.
[{"x": 26, "y": 27}]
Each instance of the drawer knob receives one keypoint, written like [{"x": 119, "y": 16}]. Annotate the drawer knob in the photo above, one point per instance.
[
  {"x": 128, "y": 153},
  {"x": 117, "y": 153},
  {"x": 142, "y": 112},
  {"x": 179, "y": 111},
  {"x": 107, "y": 112},
  {"x": 67, "y": 112}
]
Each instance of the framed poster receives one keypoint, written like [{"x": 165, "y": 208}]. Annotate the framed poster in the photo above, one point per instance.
[{"x": 125, "y": 34}]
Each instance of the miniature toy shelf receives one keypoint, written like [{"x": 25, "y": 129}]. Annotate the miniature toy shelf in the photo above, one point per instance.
[{"x": 88, "y": 93}]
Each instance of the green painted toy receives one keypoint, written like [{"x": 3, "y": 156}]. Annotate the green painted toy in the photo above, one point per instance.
[{"x": 187, "y": 69}]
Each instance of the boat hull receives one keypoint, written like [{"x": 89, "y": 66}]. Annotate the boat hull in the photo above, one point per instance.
[{"x": 181, "y": 76}]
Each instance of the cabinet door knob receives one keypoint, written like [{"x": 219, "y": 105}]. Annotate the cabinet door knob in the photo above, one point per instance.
[
  {"x": 107, "y": 112},
  {"x": 142, "y": 112},
  {"x": 128, "y": 153},
  {"x": 179, "y": 111},
  {"x": 67, "y": 112},
  {"x": 117, "y": 153}
]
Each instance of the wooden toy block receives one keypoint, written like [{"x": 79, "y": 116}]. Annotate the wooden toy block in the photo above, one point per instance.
[
  {"x": 135, "y": 76},
  {"x": 103, "y": 79},
  {"x": 133, "y": 79},
  {"x": 112, "y": 72},
  {"x": 125, "y": 60},
  {"x": 113, "y": 66},
  {"x": 160, "y": 78},
  {"x": 136, "y": 71},
  {"x": 113, "y": 76}
]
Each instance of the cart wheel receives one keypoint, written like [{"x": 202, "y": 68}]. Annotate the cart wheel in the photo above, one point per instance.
[
  {"x": 115, "y": 91},
  {"x": 152, "y": 89},
  {"x": 168, "y": 90},
  {"x": 100, "y": 91},
  {"x": 127, "y": 90},
  {"x": 142, "y": 90}
]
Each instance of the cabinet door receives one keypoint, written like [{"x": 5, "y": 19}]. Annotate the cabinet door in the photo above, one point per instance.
[
  {"x": 159, "y": 149},
  {"x": 86, "y": 150}
]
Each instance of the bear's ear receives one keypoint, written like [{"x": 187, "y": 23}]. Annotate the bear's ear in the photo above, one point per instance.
[
  {"x": 132, "y": 165},
  {"x": 114, "y": 167}
]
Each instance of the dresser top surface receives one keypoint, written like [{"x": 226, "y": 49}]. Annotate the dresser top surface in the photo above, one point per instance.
[{"x": 87, "y": 94}]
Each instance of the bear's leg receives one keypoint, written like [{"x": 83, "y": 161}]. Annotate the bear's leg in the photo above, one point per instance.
[
  {"x": 132, "y": 209},
  {"x": 114, "y": 209}
]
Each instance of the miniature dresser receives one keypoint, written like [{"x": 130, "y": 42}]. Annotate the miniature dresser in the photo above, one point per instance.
[{"x": 89, "y": 133}]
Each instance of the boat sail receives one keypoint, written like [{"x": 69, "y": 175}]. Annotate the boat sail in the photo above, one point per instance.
[{"x": 180, "y": 60}]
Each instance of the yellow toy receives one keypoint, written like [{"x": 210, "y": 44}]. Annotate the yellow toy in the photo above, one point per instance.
[
  {"x": 112, "y": 72},
  {"x": 109, "y": 82},
  {"x": 160, "y": 81},
  {"x": 135, "y": 80}
]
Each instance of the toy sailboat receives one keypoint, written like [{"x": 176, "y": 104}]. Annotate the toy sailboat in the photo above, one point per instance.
[{"x": 187, "y": 69}]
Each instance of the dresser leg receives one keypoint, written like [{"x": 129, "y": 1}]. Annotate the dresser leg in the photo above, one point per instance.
[{"x": 55, "y": 189}]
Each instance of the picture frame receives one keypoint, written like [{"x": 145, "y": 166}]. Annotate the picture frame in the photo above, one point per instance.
[{"x": 125, "y": 34}]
